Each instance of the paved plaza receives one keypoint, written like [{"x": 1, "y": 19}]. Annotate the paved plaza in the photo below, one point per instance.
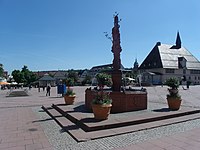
[{"x": 25, "y": 126}]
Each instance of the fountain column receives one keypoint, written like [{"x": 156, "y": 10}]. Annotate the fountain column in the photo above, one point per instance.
[{"x": 116, "y": 49}]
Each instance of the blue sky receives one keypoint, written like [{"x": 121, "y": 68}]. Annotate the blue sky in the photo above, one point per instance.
[{"x": 68, "y": 34}]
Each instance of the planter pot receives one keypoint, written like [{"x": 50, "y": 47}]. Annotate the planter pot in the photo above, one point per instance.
[
  {"x": 174, "y": 103},
  {"x": 69, "y": 99},
  {"x": 101, "y": 112}
]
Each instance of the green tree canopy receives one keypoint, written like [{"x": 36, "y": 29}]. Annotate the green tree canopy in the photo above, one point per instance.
[
  {"x": 24, "y": 76},
  {"x": 18, "y": 76},
  {"x": 103, "y": 79},
  {"x": 73, "y": 75},
  {"x": 87, "y": 80}
]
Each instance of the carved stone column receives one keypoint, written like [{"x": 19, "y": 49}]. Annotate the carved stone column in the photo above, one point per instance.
[{"x": 116, "y": 49}]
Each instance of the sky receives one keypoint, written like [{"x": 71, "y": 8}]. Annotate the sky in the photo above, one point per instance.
[{"x": 69, "y": 34}]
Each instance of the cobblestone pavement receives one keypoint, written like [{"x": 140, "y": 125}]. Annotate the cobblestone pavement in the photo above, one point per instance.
[{"x": 24, "y": 126}]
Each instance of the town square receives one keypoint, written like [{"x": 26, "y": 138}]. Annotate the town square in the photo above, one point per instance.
[{"x": 65, "y": 86}]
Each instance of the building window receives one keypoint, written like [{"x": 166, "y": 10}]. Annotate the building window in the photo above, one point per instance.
[
  {"x": 194, "y": 71},
  {"x": 142, "y": 71},
  {"x": 169, "y": 70}
]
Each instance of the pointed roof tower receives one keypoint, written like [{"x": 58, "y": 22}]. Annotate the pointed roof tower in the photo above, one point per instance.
[
  {"x": 178, "y": 40},
  {"x": 136, "y": 65}
]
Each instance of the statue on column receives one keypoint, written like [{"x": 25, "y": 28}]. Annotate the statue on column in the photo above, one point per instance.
[{"x": 116, "y": 49}]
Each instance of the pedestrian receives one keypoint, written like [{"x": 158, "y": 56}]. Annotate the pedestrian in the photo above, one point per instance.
[
  {"x": 48, "y": 90},
  {"x": 43, "y": 88},
  {"x": 183, "y": 81},
  {"x": 188, "y": 84},
  {"x": 30, "y": 86}
]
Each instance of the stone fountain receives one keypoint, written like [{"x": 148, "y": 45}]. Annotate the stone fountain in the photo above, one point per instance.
[{"x": 123, "y": 100}]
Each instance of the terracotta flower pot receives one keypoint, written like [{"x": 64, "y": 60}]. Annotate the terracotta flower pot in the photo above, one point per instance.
[
  {"x": 174, "y": 103},
  {"x": 69, "y": 99},
  {"x": 101, "y": 112}
]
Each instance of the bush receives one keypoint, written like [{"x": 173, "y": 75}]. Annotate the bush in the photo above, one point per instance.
[
  {"x": 103, "y": 79},
  {"x": 102, "y": 98},
  {"x": 172, "y": 83}
]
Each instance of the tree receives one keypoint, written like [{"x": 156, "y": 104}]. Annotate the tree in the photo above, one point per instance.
[
  {"x": 73, "y": 75},
  {"x": 27, "y": 75},
  {"x": 103, "y": 79},
  {"x": 1, "y": 70},
  {"x": 24, "y": 76},
  {"x": 87, "y": 80},
  {"x": 18, "y": 76}
]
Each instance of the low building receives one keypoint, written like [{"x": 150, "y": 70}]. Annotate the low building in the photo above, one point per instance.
[
  {"x": 166, "y": 61},
  {"x": 45, "y": 80}
]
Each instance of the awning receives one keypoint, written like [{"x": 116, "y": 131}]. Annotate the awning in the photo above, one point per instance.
[{"x": 4, "y": 83}]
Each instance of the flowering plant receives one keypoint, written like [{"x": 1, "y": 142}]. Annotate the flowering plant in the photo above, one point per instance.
[
  {"x": 69, "y": 82},
  {"x": 102, "y": 98},
  {"x": 70, "y": 92},
  {"x": 173, "y": 83},
  {"x": 103, "y": 79}
]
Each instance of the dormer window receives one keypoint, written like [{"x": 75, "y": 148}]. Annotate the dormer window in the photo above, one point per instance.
[{"x": 182, "y": 62}]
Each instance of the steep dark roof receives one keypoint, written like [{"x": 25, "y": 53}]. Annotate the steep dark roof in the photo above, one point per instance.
[{"x": 153, "y": 60}]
